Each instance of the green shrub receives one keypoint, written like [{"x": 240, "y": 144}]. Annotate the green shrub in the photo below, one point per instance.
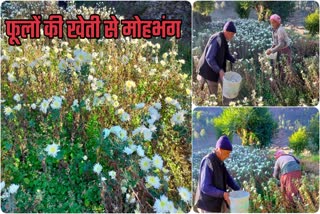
[
  {"x": 312, "y": 22},
  {"x": 299, "y": 140},
  {"x": 266, "y": 8},
  {"x": 313, "y": 134},
  {"x": 243, "y": 8},
  {"x": 255, "y": 126}
]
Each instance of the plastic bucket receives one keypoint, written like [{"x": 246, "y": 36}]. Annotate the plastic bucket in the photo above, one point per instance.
[
  {"x": 239, "y": 201},
  {"x": 231, "y": 84},
  {"x": 272, "y": 55}
]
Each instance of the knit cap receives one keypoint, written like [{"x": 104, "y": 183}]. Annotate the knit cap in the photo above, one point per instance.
[
  {"x": 229, "y": 26},
  {"x": 224, "y": 143}
]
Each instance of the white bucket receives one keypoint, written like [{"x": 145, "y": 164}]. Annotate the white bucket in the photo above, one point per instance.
[
  {"x": 231, "y": 84},
  {"x": 239, "y": 201},
  {"x": 272, "y": 55}
]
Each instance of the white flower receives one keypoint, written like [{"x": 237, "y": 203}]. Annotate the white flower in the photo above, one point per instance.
[
  {"x": 161, "y": 205},
  {"x": 152, "y": 71},
  {"x": 147, "y": 134},
  {"x": 122, "y": 135},
  {"x": 125, "y": 117},
  {"x": 145, "y": 164},
  {"x": 112, "y": 174},
  {"x": 168, "y": 100},
  {"x": 128, "y": 151},
  {"x": 13, "y": 188},
  {"x": 133, "y": 147},
  {"x": 157, "y": 161},
  {"x": 115, "y": 129},
  {"x": 152, "y": 128},
  {"x": 153, "y": 181},
  {"x": 17, "y": 97},
  {"x": 44, "y": 106},
  {"x": 17, "y": 107},
  {"x": 2, "y": 185},
  {"x": 85, "y": 157},
  {"x": 100, "y": 84},
  {"x": 123, "y": 189},
  {"x": 33, "y": 106},
  {"x": 185, "y": 194},
  {"x": 75, "y": 104},
  {"x": 129, "y": 85},
  {"x": 119, "y": 111},
  {"x": 90, "y": 78},
  {"x": 171, "y": 207},
  {"x": 56, "y": 103},
  {"x": 8, "y": 111},
  {"x": 82, "y": 56},
  {"x": 162, "y": 62},
  {"x": 181, "y": 61},
  {"x": 115, "y": 104},
  {"x": 154, "y": 116},
  {"x": 178, "y": 118},
  {"x": 52, "y": 149},
  {"x": 140, "y": 151},
  {"x": 157, "y": 106},
  {"x": 63, "y": 66},
  {"x": 139, "y": 105},
  {"x": 11, "y": 77},
  {"x": 165, "y": 55},
  {"x": 106, "y": 133},
  {"x": 97, "y": 168},
  {"x": 166, "y": 178},
  {"x": 87, "y": 102},
  {"x": 130, "y": 198},
  {"x": 124, "y": 59}
]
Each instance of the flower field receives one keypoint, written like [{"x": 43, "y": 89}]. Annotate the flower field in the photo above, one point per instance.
[
  {"x": 260, "y": 86},
  {"x": 93, "y": 125},
  {"x": 252, "y": 169}
]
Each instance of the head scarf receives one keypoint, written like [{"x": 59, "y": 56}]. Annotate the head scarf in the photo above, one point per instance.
[{"x": 275, "y": 18}]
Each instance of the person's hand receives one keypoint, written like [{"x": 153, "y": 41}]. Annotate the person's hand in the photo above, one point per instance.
[
  {"x": 221, "y": 75},
  {"x": 226, "y": 197},
  {"x": 268, "y": 52}
]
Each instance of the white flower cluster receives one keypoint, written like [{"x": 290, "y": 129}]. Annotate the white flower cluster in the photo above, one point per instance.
[{"x": 12, "y": 189}]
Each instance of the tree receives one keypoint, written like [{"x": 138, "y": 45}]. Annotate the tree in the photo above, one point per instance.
[
  {"x": 299, "y": 140},
  {"x": 204, "y": 7},
  {"x": 254, "y": 126},
  {"x": 265, "y": 9}
]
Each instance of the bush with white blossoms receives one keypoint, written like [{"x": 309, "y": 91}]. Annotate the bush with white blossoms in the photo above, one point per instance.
[
  {"x": 95, "y": 125},
  {"x": 253, "y": 38}
]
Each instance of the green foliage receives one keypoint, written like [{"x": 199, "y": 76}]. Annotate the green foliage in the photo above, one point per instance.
[
  {"x": 313, "y": 134},
  {"x": 298, "y": 141},
  {"x": 266, "y": 8},
  {"x": 204, "y": 7},
  {"x": 255, "y": 126},
  {"x": 243, "y": 8},
  {"x": 312, "y": 22}
]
